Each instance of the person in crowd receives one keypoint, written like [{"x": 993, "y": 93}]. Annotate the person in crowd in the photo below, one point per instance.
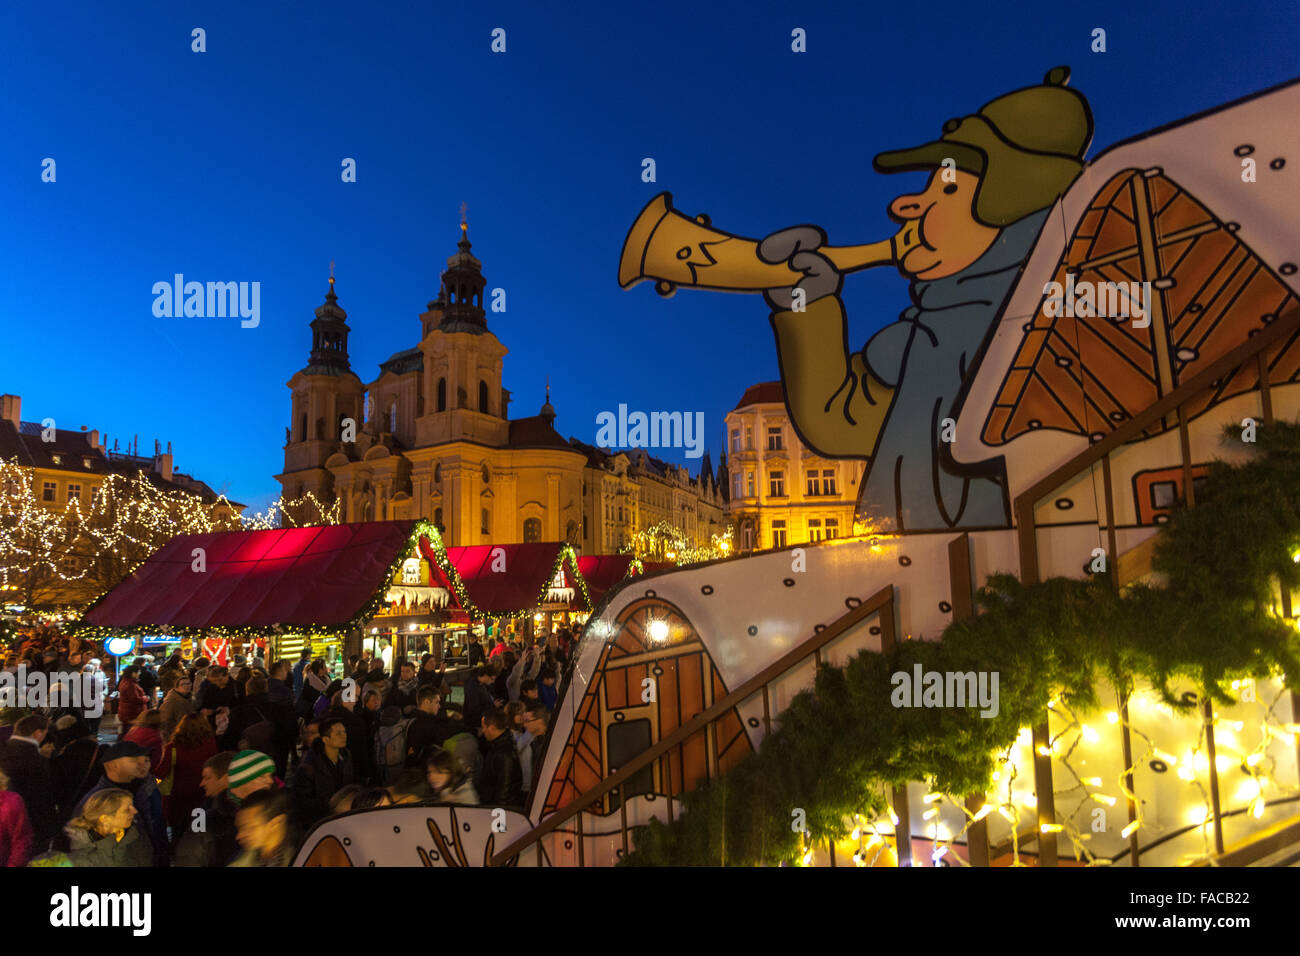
[
  {"x": 315, "y": 682},
  {"x": 372, "y": 797},
  {"x": 432, "y": 673},
  {"x": 304, "y": 661},
  {"x": 264, "y": 829},
  {"x": 500, "y": 779},
  {"x": 324, "y": 769},
  {"x": 199, "y": 670},
  {"x": 515, "y": 716},
  {"x": 527, "y": 667},
  {"x": 360, "y": 744},
  {"x": 372, "y": 704},
  {"x": 168, "y": 674},
  {"x": 214, "y": 843},
  {"x": 249, "y": 772},
  {"x": 536, "y": 721},
  {"x": 263, "y": 725},
  {"x": 449, "y": 781},
  {"x": 132, "y": 701},
  {"x": 29, "y": 776},
  {"x": 343, "y": 798},
  {"x": 177, "y": 704},
  {"x": 498, "y": 648},
  {"x": 333, "y": 694},
  {"x": 215, "y": 692},
  {"x": 309, "y": 732},
  {"x": 147, "y": 678},
  {"x": 411, "y": 786},
  {"x": 528, "y": 693},
  {"x": 546, "y": 690},
  {"x": 475, "y": 652},
  {"x": 403, "y": 694},
  {"x": 76, "y": 764},
  {"x": 239, "y": 675},
  {"x": 502, "y": 667},
  {"x": 96, "y": 683},
  {"x": 106, "y": 832},
  {"x": 277, "y": 685},
  {"x": 429, "y": 728},
  {"x": 126, "y": 767},
  {"x": 191, "y": 745},
  {"x": 478, "y": 697},
  {"x": 16, "y": 838},
  {"x": 515, "y": 713},
  {"x": 147, "y": 732}
]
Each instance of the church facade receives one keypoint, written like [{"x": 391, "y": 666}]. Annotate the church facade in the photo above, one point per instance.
[{"x": 431, "y": 437}]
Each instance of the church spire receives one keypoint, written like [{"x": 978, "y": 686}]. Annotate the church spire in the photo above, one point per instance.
[
  {"x": 329, "y": 336},
  {"x": 548, "y": 411},
  {"x": 461, "y": 295}
]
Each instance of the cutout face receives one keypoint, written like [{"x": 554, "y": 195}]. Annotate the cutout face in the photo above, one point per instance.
[{"x": 941, "y": 234}]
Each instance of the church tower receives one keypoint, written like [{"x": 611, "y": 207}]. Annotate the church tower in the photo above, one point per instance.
[
  {"x": 325, "y": 395},
  {"x": 461, "y": 385}
]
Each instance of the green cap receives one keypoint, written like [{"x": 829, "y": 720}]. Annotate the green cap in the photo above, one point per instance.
[
  {"x": 1026, "y": 146},
  {"x": 247, "y": 766}
]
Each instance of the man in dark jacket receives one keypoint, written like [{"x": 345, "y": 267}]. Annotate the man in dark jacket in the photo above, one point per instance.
[
  {"x": 500, "y": 779},
  {"x": 126, "y": 766},
  {"x": 429, "y": 728},
  {"x": 536, "y": 721},
  {"x": 29, "y": 777},
  {"x": 216, "y": 691},
  {"x": 277, "y": 686},
  {"x": 304, "y": 659},
  {"x": 359, "y": 747},
  {"x": 148, "y": 679},
  {"x": 324, "y": 769}
]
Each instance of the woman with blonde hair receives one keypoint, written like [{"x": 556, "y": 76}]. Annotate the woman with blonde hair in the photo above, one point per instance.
[{"x": 105, "y": 833}]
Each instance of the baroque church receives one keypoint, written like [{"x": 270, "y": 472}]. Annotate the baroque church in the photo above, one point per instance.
[{"x": 431, "y": 437}]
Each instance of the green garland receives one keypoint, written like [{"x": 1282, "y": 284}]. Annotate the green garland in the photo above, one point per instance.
[{"x": 1216, "y": 619}]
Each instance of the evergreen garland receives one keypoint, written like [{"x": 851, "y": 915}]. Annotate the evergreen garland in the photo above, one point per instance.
[{"x": 1216, "y": 618}]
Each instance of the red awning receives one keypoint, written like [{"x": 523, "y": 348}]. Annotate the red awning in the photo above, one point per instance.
[
  {"x": 320, "y": 576},
  {"x": 509, "y": 578},
  {"x": 603, "y": 571}
]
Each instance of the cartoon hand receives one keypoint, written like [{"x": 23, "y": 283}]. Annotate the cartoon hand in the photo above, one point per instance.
[{"x": 796, "y": 247}]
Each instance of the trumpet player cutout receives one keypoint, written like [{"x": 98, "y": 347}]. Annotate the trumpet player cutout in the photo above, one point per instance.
[{"x": 962, "y": 243}]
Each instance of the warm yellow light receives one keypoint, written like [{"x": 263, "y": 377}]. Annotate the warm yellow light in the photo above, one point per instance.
[
  {"x": 930, "y": 814},
  {"x": 1257, "y": 808},
  {"x": 1253, "y": 759},
  {"x": 1184, "y": 773},
  {"x": 893, "y": 817},
  {"x": 1104, "y": 798},
  {"x": 658, "y": 630},
  {"x": 1167, "y": 758},
  {"x": 983, "y": 812},
  {"x": 1089, "y": 734},
  {"x": 1008, "y": 814},
  {"x": 1196, "y": 815},
  {"x": 1092, "y": 781},
  {"x": 1128, "y": 830},
  {"x": 1051, "y": 828},
  {"x": 933, "y": 797},
  {"x": 1029, "y": 800}
]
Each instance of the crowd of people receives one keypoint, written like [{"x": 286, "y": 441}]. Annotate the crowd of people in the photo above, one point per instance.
[{"x": 230, "y": 766}]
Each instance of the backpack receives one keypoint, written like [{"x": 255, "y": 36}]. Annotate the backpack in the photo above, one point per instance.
[{"x": 390, "y": 747}]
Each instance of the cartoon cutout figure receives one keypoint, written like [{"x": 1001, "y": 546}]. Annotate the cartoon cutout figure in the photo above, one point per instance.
[{"x": 963, "y": 242}]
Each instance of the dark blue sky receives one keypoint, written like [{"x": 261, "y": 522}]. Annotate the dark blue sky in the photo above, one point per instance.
[{"x": 225, "y": 166}]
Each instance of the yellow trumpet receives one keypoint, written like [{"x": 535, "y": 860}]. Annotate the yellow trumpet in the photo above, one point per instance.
[{"x": 676, "y": 250}]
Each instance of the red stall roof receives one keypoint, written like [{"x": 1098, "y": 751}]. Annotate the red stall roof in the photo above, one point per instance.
[
  {"x": 320, "y": 576},
  {"x": 522, "y": 584},
  {"x": 603, "y": 571}
]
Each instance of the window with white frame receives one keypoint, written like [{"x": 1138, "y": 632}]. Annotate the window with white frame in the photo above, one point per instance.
[
  {"x": 778, "y": 533},
  {"x": 832, "y": 528},
  {"x": 774, "y": 438},
  {"x": 776, "y": 484},
  {"x": 74, "y": 492},
  {"x": 814, "y": 529}
]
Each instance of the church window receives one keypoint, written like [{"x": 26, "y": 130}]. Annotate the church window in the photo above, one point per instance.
[
  {"x": 486, "y": 522},
  {"x": 482, "y": 397},
  {"x": 532, "y": 529},
  {"x": 392, "y": 417},
  {"x": 442, "y": 394}
]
